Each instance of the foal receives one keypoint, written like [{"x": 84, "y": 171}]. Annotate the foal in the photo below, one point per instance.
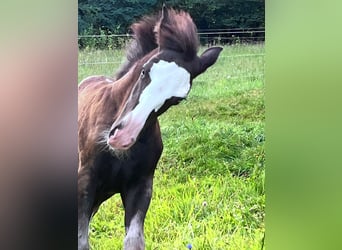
[{"x": 119, "y": 135}]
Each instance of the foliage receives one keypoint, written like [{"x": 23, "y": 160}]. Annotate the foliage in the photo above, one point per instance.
[
  {"x": 107, "y": 17},
  {"x": 111, "y": 16},
  {"x": 218, "y": 14},
  {"x": 209, "y": 184}
]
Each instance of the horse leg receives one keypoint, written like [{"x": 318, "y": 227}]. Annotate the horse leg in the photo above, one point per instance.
[
  {"x": 86, "y": 193},
  {"x": 136, "y": 200}
]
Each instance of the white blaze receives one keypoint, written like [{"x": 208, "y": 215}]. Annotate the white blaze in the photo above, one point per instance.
[{"x": 167, "y": 80}]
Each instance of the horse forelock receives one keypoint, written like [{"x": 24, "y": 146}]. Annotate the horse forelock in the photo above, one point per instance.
[
  {"x": 143, "y": 42},
  {"x": 176, "y": 31},
  {"x": 172, "y": 30},
  {"x": 143, "y": 38}
]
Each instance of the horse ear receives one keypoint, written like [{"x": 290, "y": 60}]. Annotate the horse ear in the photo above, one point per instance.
[
  {"x": 208, "y": 58},
  {"x": 164, "y": 15},
  {"x": 162, "y": 20}
]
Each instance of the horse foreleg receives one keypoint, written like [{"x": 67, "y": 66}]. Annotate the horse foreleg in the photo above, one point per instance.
[
  {"x": 83, "y": 228},
  {"x": 136, "y": 200},
  {"x": 86, "y": 192}
]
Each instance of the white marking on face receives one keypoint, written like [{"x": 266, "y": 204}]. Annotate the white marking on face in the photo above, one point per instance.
[{"x": 167, "y": 80}]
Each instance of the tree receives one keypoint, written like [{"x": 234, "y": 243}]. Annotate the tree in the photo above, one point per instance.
[
  {"x": 115, "y": 16},
  {"x": 111, "y": 16}
]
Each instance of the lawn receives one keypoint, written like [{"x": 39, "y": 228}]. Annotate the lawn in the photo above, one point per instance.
[{"x": 209, "y": 184}]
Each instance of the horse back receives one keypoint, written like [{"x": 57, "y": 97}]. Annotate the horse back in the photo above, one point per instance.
[{"x": 93, "y": 80}]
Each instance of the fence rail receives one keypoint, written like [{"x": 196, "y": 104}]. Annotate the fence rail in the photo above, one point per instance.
[
  {"x": 202, "y": 32},
  {"x": 229, "y": 77},
  {"x": 206, "y": 36},
  {"x": 119, "y": 62}
]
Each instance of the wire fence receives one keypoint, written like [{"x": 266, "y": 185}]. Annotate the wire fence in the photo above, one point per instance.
[
  {"x": 83, "y": 63},
  {"x": 207, "y": 37},
  {"x": 200, "y": 32},
  {"x": 257, "y": 75}
]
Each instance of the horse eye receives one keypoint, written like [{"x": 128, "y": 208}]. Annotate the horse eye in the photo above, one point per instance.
[{"x": 142, "y": 74}]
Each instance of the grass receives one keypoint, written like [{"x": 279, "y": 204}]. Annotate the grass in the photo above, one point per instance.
[{"x": 209, "y": 183}]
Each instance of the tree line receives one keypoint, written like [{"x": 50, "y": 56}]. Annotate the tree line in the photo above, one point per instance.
[{"x": 108, "y": 17}]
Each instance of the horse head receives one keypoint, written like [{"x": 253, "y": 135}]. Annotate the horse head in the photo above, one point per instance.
[{"x": 162, "y": 78}]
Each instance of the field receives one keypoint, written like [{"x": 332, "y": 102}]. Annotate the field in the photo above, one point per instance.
[{"x": 209, "y": 184}]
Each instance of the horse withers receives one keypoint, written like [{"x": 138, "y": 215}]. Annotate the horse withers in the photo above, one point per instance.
[{"x": 119, "y": 135}]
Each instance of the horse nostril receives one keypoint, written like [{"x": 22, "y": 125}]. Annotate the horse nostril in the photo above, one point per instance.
[{"x": 112, "y": 131}]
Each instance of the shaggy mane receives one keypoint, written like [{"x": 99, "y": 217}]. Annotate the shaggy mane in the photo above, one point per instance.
[
  {"x": 143, "y": 42},
  {"x": 176, "y": 31},
  {"x": 170, "y": 29}
]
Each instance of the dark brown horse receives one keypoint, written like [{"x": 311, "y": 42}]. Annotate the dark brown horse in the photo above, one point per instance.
[{"x": 119, "y": 136}]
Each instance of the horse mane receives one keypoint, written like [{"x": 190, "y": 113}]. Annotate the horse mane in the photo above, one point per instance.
[
  {"x": 143, "y": 42},
  {"x": 169, "y": 29},
  {"x": 176, "y": 31}
]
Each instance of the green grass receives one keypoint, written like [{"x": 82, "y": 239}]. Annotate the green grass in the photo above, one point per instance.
[{"x": 209, "y": 183}]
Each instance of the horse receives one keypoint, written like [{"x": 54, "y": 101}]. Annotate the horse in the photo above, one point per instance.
[{"x": 119, "y": 135}]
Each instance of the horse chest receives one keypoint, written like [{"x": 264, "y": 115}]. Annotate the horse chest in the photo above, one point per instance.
[
  {"x": 142, "y": 162},
  {"x": 114, "y": 173}
]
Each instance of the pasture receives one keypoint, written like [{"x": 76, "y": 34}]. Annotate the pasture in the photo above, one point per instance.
[{"x": 209, "y": 183}]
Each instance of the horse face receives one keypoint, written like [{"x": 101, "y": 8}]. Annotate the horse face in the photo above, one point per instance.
[
  {"x": 161, "y": 84},
  {"x": 165, "y": 79}
]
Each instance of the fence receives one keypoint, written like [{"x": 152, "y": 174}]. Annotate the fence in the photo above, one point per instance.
[
  {"x": 257, "y": 73},
  {"x": 81, "y": 63},
  {"x": 207, "y": 37},
  {"x": 229, "y": 36}
]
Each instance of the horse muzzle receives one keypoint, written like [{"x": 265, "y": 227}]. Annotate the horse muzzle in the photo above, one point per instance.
[
  {"x": 124, "y": 134},
  {"x": 121, "y": 140}
]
